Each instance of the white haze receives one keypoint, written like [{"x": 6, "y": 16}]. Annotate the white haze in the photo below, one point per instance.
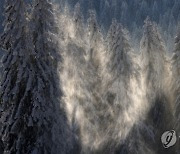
[{"x": 101, "y": 126}]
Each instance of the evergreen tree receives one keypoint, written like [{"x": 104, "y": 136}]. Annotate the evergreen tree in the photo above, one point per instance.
[
  {"x": 118, "y": 52},
  {"x": 94, "y": 40},
  {"x": 74, "y": 76},
  {"x": 176, "y": 80},
  {"x": 153, "y": 55},
  {"x": 46, "y": 46},
  {"x": 76, "y": 93},
  {"x": 154, "y": 69},
  {"x": 119, "y": 72},
  {"x": 31, "y": 116},
  {"x": 92, "y": 106},
  {"x": 79, "y": 22},
  {"x": 44, "y": 22},
  {"x": 1, "y": 18},
  {"x": 14, "y": 87},
  {"x": 78, "y": 82}
]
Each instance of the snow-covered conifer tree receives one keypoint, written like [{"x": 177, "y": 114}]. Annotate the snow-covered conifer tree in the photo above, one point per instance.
[
  {"x": 46, "y": 46},
  {"x": 94, "y": 39},
  {"x": 9, "y": 22},
  {"x": 176, "y": 80},
  {"x": 78, "y": 22},
  {"x": 154, "y": 69},
  {"x": 15, "y": 79},
  {"x": 13, "y": 84},
  {"x": 118, "y": 73},
  {"x": 32, "y": 119},
  {"x": 44, "y": 22},
  {"x": 75, "y": 86},
  {"x": 119, "y": 52},
  {"x": 153, "y": 56},
  {"x": 79, "y": 79}
]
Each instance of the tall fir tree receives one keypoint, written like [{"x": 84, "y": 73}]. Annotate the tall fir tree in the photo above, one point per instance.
[
  {"x": 44, "y": 36},
  {"x": 74, "y": 76},
  {"x": 31, "y": 116},
  {"x": 118, "y": 74},
  {"x": 78, "y": 22},
  {"x": 89, "y": 100},
  {"x": 176, "y": 82},
  {"x": 94, "y": 39},
  {"x": 14, "y": 80},
  {"x": 153, "y": 55},
  {"x": 44, "y": 23},
  {"x": 119, "y": 52},
  {"x": 154, "y": 69},
  {"x": 80, "y": 82}
]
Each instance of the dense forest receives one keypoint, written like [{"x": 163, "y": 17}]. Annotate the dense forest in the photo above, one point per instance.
[
  {"x": 131, "y": 14},
  {"x": 90, "y": 76}
]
